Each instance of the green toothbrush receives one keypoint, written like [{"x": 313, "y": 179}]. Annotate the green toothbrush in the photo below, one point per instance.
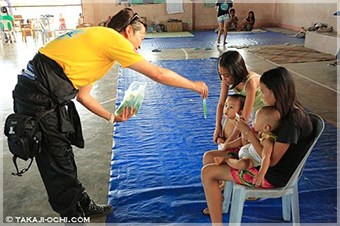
[{"x": 205, "y": 108}]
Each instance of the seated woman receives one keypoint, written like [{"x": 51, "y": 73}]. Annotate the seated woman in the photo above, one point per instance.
[
  {"x": 248, "y": 23},
  {"x": 293, "y": 137}
]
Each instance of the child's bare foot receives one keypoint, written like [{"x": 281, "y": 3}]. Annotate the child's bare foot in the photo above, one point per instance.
[
  {"x": 232, "y": 162},
  {"x": 206, "y": 210}
]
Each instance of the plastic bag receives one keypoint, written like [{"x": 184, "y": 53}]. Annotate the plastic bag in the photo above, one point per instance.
[{"x": 133, "y": 97}]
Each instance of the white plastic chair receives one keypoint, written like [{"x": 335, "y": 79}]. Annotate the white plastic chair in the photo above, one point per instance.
[{"x": 289, "y": 193}]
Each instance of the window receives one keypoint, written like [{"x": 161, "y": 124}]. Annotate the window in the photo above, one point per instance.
[{"x": 53, "y": 9}]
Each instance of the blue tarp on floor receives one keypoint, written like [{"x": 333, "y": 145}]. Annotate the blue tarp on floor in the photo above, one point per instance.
[
  {"x": 204, "y": 39},
  {"x": 157, "y": 158}
]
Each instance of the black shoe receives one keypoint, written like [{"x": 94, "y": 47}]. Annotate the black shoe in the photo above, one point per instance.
[
  {"x": 88, "y": 208},
  {"x": 97, "y": 210}
]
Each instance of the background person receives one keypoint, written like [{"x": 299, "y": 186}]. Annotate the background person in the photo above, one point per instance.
[
  {"x": 233, "y": 20},
  {"x": 65, "y": 68},
  {"x": 223, "y": 19},
  {"x": 6, "y": 18},
  {"x": 62, "y": 22},
  {"x": 80, "y": 19},
  {"x": 248, "y": 23}
]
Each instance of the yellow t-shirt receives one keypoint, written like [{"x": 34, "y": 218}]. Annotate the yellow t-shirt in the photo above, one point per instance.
[{"x": 86, "y": 54}]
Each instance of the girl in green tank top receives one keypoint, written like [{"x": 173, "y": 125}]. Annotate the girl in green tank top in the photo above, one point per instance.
[{"x": 234, "y": 75}]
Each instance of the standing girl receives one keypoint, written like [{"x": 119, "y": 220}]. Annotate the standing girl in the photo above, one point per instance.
[
  {"x": 223, "y": 19},
  {"x": 293, "y": 139}
]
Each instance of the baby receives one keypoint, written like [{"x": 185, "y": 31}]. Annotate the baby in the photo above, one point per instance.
[
  {"x": 232, "y": 108},
  {"x": 266, "y": 121}
]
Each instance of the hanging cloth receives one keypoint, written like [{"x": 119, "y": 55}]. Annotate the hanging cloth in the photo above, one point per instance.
[{"x": 174, "y": 6}]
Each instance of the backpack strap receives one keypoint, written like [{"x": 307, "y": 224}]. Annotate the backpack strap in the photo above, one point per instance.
[{"x": 19, "y": 174}]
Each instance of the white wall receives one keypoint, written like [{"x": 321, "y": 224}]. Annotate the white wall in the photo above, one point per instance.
[{"x": 296, "y": 15}]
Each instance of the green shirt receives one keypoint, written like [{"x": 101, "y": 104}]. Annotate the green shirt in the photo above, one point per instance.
[{"x": 258, "y": 102}]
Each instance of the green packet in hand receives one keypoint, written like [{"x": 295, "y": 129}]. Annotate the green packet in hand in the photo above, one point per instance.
[{"x": 133, "y": 97}]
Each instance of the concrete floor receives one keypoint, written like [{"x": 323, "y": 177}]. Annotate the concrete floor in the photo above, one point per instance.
[{"x": 26, "y": 196}]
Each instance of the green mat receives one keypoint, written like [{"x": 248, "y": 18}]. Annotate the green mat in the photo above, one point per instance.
[{"x": 169, "y": 34}]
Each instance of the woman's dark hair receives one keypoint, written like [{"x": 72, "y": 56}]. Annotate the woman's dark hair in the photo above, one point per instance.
[
  {"x": 282, "y": 84},
  {"x": 252, "y": 12},
  {"x": 234, "y": 63},
  {"x": 124, "y": 18}
]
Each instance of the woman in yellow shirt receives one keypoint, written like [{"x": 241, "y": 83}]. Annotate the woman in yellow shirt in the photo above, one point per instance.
[{"x": 65, "y": 68}]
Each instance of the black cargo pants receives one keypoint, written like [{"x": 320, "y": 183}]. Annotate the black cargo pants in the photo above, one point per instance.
[{"x": 56, "y": 163}]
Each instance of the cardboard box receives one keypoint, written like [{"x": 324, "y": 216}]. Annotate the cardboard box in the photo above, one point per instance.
[{"x": 174, "y": 26}]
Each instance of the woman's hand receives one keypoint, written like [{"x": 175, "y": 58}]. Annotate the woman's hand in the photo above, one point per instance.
[
  {"x": 258, "y": 180},
  {"x": 126, "y": 114},
  {"x": 201, "y": 88}
]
